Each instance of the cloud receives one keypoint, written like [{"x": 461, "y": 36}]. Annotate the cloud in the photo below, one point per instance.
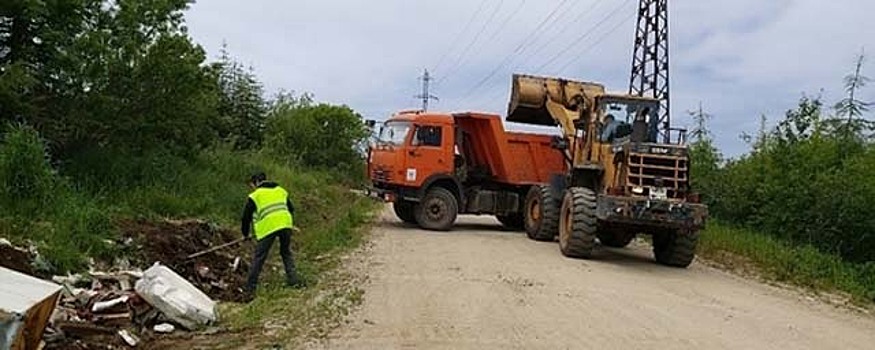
[{"x": 741, "y": 58}]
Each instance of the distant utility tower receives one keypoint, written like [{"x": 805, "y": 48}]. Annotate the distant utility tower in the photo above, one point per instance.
[
  {"x": 426, "y": 96},
  {"x": 650, "y": 76}
]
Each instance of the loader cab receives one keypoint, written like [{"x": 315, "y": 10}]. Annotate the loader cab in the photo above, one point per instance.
[{"x": 630, "y": 118}]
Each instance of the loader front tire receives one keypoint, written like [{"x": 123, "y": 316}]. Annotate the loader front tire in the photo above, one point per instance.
[
  {"x": 541, "y": 214},
  {"x": 675, "y": 248},
  {"x": 578, "y": 224},
  {"x": 437, "y": 211}
]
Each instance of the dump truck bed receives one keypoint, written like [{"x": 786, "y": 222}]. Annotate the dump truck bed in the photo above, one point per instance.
[{"x": 512, "y": 158}]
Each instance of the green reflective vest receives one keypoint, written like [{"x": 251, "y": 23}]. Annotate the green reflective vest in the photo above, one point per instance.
[{"x": 271, "y": 212}]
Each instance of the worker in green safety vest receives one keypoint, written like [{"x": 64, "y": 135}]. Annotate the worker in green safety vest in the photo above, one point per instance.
[{"x": 270, "y": 211}]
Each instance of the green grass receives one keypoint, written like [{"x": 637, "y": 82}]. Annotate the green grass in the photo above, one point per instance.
[
  {"x": 803, "y": 266},
  {"x": 291, "y": 315},
  {"x": 72, "y": 215}
]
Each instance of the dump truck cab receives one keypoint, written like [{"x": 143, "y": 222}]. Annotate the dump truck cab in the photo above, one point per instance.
[
  {"x": 411, "y": 149},
  {"x": 434, "y": 166}
]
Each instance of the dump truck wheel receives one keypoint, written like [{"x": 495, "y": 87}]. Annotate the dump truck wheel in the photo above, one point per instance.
[
  {"x": 404, "y": 211},
  {"x": 541, "y": 214},
  {"x": 437, "y": 211},
  {"x": 615, "y": 238},
  {"x": 675, "y": 248},
  {"x": 514, "y": 222},
  {"x": 578, "y": 224}
]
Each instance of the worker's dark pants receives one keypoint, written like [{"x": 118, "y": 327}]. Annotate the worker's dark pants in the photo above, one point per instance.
[{"x": 261, "y": 252}]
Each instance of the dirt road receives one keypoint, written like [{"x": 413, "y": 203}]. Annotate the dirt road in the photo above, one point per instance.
[{"x": 480, "y": 288}]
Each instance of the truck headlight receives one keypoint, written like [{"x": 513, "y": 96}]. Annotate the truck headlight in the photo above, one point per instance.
[{"x": 638, "y": 190}]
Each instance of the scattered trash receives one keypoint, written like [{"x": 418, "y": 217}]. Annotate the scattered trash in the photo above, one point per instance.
[
  {"x": 114, "y": 305},
  {"x": 164, "y": 328},
  {"x": 103, "y": 305},
  {"x": 129, "y": 338},
  {"x": 236, "y": 264},
  {"x": 176, "y": 298}
]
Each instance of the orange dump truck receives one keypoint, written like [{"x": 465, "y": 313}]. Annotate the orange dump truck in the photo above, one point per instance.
[{"x": 433, "y": 167}]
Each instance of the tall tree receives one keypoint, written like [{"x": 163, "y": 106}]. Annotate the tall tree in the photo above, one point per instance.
[
  {"x": 851, "y": 107},
  {"x": 242, "y": 107},
  {"x": 96, "y": 73}
]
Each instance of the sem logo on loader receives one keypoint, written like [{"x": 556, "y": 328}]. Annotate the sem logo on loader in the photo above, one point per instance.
[
  {"x": 659, "y": 150},
  {"x": 411, "y": 175}
]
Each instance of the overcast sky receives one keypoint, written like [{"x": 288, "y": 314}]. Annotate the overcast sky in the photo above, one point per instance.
[{"x": 741, "y": 58}]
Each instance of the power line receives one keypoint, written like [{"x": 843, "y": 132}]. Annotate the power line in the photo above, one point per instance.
[
  {"x": 589, "y": 48},
  {"x": 459, "y": 35},
  {"x": 585, "y": 35},
  {"x": 507, "y": 59},
  {"x": 464, "y": 54},
  {"x": 506, "y": 21},
  {"x": 501, "y": 27},
  {"x": 598, "y": 41},
  {"x": 551, "y": 40}
]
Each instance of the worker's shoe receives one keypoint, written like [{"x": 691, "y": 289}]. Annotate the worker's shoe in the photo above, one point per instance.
[
  {"x": 296, "y": 284},
  {"x": 247, "y": 294}
]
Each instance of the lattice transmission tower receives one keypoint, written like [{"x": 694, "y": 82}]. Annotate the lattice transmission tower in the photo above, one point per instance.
[{"x": 650, "y": 63}]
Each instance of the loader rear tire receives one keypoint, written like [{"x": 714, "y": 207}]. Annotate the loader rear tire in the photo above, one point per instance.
[
  {"x": 404, "y": 211},
  {"x": 541, "y": 214},
  {"x": 437, "y": 211},
  {"x": 578, "y": 224},
  {"x": 675, "y": 248},
  {"x": 514, "y": 222}
]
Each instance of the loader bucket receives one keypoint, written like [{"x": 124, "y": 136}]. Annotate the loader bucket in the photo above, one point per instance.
[{"x": 529, "y": 95}]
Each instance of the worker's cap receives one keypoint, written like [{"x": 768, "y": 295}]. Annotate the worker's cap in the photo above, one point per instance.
[{"x": 258, "y": 177}]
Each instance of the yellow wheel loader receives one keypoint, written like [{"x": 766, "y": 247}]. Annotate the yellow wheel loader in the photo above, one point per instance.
[{"x": 622, "y": 181}]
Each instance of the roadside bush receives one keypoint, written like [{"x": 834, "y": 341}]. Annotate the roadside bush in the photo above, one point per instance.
[
  {"x": 321, "y": 135},
  {"x": 804, "y": 183},
  {"x": 28, "y": 180}
]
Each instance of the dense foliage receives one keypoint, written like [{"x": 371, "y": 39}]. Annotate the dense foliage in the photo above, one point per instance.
[
  {"x": 808, "y": 181},
  {"x": 108, "y": 109}
]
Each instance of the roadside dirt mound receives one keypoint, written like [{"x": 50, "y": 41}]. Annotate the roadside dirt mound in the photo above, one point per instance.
[
  {"x": 15, "y": 259},
  {"x": 220, "y": 274}
]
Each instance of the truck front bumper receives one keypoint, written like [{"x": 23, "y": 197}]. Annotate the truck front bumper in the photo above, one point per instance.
[
  {"x": 392, "y": 194},
  {"x": 645, "y": 212},
  {"x": 380, "y": 194}
]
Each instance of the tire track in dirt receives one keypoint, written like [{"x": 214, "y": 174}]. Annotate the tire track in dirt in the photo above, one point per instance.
[{"x": 478, "y": 287}]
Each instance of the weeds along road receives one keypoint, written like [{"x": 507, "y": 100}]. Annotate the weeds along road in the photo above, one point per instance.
[{"x": 480, "y": 288}]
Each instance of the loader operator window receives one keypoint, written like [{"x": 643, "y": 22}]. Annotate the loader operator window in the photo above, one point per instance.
[
  {"x": 634, "y": 119},
  {"x": 427, "y": 136}
]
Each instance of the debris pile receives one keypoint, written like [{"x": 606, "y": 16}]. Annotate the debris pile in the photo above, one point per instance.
[
  {"x": 128, "y": 307},
  {"x": 106, "y": 312},
  {"x": 220, "y": 274}
]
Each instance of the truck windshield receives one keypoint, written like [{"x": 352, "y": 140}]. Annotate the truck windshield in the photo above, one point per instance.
[{"x": 394, "y": 133}]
